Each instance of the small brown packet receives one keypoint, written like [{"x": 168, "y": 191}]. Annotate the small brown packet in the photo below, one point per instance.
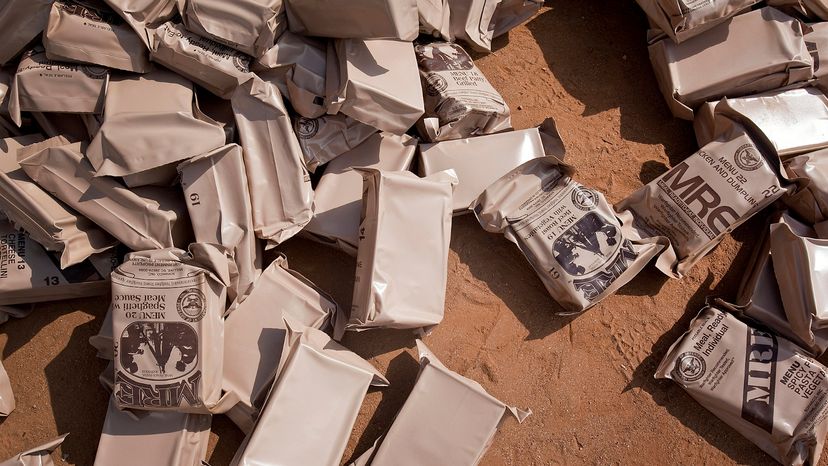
[
  {"x": 684, "y": 19},
  {"x": 37, "y": 456},
  {"x": 327, "y": 137},
  {"x": 480, "y": 161},
  {"x": 215, "y": 190},
  {"x": 762, "y": 385},
  {"x": 217, "y": 67},
  {"x": 319, "y": 388},
  {"x": 141, "y": 218},
  {"x": 167, "y": 308},
  {"x": 249, "y": 26},
  {"x": 142, "y": 15},
  {"x": 298, "y": 66},
  {"x": 459, "y": 100},
  {"x": 810, "y": 171},
  {"x": 255, "y": 332},
  {"x": 814, "y": 10},
  {"x": 21, "y": 21},
  {"x": 7, "y": 403},
  {"x": 154, "y": 438},
  {"x": 472, "y": 22},
  {"x": 402, "y": 258},
  {"x": 434, "y": 18},
  {"x": 72, "y": 126},
  {"x": 512, "y": 13},
  {"x": 48, "y": 221},
  {"x": 354, "y": 19},
  {"x": 279, "y": 183},
  {"x": 30, "y": 274},
  {"x": 150, "y": 121},
  {"x": 79, "y": 33},
  {"x": 705, "y": 197},
  {"x": 447, "y": 419},
  {"x": 337, "y": 200},
  {"x": 580, "y": 249},
  {"x": 375, "y": 82},
  {"x": 691, "y": 73},
  {"x": 43, "y": 85}
]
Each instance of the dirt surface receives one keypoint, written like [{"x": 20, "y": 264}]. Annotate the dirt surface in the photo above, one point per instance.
[{"x": 588, "y": 379}]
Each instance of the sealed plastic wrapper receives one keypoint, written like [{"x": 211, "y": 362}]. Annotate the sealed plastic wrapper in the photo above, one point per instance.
[
  {"x": 20, "y": 22},
  {"x": 326, "y": 138},
  {"x": 569, "y": 233},
  {"x": 472, "y": 22},
  {"x": 215, "y": 190},
  {"x": 144, "y": 14},
  {"x": 512, "y": 13},
  {"x": 102, "y": 341},
  {"x": 78, "y": 33},
  {"x": 705, "y": 197},
  {"x": 167, "y": 309},
  {"x": 43, "y": 85},
  {"x": 690, "y": 73},
  {"x": 298, "y": 66},
  {"x": 447, "y": 419},
  {"x": 7, "y": 404},
  {"x": 73, "y": 126},
  {"x": 377, "y": 83},
  {"x": 810, "y": 171},
  {"x": 48, "y": 221},
  {"x": 684, "y": 19},
  {"x": 356, "y": 19},
  {"x": 793, "y": 121},
  {"x": 160, "y": 438},
  {"x": 434, "y": 18},
  {"x": 814, "y": 10},
  {"x": 140, "y": 218},
  {"x": 317, "y": 395},
  {"x": 217, "y": 67},
  {"x": 30, "y": 274},
  {"x": 150, "y": 121},
  {"x": 762, "y": 385},
  {"x": 279, "y": 183},
  {"x": 479, "y": 161},
  {"x": 402, "y": 257},
  {"x": 459, "y": 100},
  {"x": 250, "y": 26},
  {"x": 37, "y": 456},
  {"x": 338, "y": 195},
  {"x": 254, "y": 334}
]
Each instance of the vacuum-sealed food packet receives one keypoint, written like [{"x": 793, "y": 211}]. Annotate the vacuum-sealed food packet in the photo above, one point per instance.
[
  {"x": 684, "y": 19},
  {"x": 327, "y": 137},
  {"x": 810, "y": 171},
  {"x": 20, "y": 23},
  {"x": 354, "y": 19},
  {"x": 249, "y": 26}
]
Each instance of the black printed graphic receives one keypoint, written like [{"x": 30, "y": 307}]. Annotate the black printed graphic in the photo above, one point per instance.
[
  {"x": 448, "y": 57},
  {"x": 158, "y": 351},
  {"x": 586, "y": 245},
  {"x": 307, "y": 128},
  {"x": 689, "y": 367},
  {"x": 191, "y": 305}
]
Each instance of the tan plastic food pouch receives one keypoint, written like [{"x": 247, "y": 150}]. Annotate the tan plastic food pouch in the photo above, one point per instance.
[
  {"x": 144, "y": 14},
  {"x": 217, "y": 67},
  {"x": 37, "y": 456},
  {"x": 459, "y": 100},
  {"x": 512, "y": 13},
  {"x": 69, "y": 125},
  {"x": 402, "y": 258},
  {"x": 140, "y": 218},
  {"x": 435, "y": 18},
  {"x": 280, "y": 187},
  {"x": 43, "y": 85},
  {"x": 48, "y": 221},
  {"x": 317, "y": 395},
  {"x": 167, "y": 309},
  {"x": 702, "y": 199},
  {"x": 337, "y": 200},
  {"x": 354, "y": 19},
  {"x": 376, "y": 82},
  {"x": 800, "y": 266},
  {"x": 7, "y": 403},
  {"x": 254, "y": 334},
  {"x": 156, "y": 438},
  {"x": 102, "y": 342},
  {"x": 327, "y": 137},
  {"x": 20, "y": 23},
  {"x": 447, "y": 419},
  {"x": 569, "y": 233},
  {"x": 30, "y": 274},
  {"x": 762, "y": 385},
  {"x": 215, "y": 190},
  {"x": 684, "y": 19},
  {"x": 691, "y": 73},
  {"x": 815, "y": 10},
  {"x": 480, "y": 161},
  {"x": 79, "y": 33},
  {"x": 794, "y": 121},
  {"x": 472, "y": 22},
  {"x": 298, "y": 66},
  {"x": 249, "y": 26},
  {"x": 810, "y": 201}
]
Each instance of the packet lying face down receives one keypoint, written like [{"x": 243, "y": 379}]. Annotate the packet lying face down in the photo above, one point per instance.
[
  {"x": 569, "y": 233},
  {"x": 459, "y": 100},
  {"x": 144, "y": 14},
  {"x": 684, "y": 19},
  {"x": 358, "y": 19},
  {"x": 703, "y": 198},
  {"x": 20, "y": 22},
  {"x": 810, "y": 201},
  {"x": 762, "y": 385},
  {"x": 167, "y": 309},
  {"x": 250, "y": 26}
]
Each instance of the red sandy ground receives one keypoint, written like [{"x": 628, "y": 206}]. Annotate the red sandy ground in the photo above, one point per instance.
[{"x": 588, "y": 379}]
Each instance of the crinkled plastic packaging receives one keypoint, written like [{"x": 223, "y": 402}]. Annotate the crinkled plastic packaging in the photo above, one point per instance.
[
  {"x": 327, "y": 137},
  {"x": 354, "y": 19},
  {"x": 249, "y": 26}
]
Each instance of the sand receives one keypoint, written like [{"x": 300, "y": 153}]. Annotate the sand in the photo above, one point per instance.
[{"x": 588, "y": 378}]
